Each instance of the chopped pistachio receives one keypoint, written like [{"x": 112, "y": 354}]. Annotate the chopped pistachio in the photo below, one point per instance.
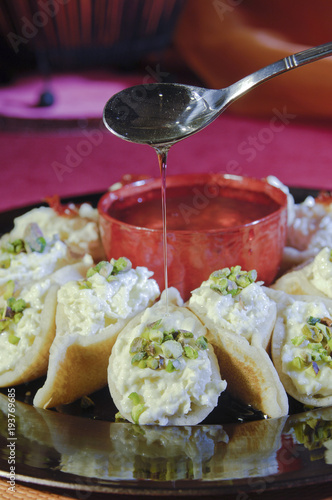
[
  {"x": 134, "y": 397},
  {"x": 156, "y": 336},
  {"x": 15, "y": 247},
  {"x": 121, "y": 265},
  {"x": 5, "y": 263},
  {"x": 17, "y": 305},
  {"x": 154, "y": 348},
  {"x": 17, "y": 317},
  {"x": 109, "y": 270},
  {"x": 119, "y": 418},
  {"x": 190, "y": 352},
  {"x": 41, "y": 244},
  {"x": 231, "y": 280},
  {"x": 297, "y": 363},
  {"x": 13, "y": 339},
  {"x": 221, "y": 283},
  {"x": 172, "y": 349},
  {"x": 167, "y": 336},
  {"x": 10, "y": 287},
  {"x": 220, "y": 274},
  {"x": 202, "y": 342},
  {"x": 151, "y": 349},
  {"x": 138, "y": 357},
  {"x": 156, "y": 324},
  {"x": 312, "y": 321},
  {"x": 172, "y": 365},
  {"x": 152, "y": 363},
  {"x": 137, "y": 412},
  {"x": 4, "y": 323},
  {"x": 306, "y": 331},
  {"x": 34, "y": 239},
  {"x": 299, "y": 340},
  {"x": 243, "y": 281},
  {"x": 185, "y": 333},
  {"x": 137, "y": 345},
  {"x": 84, "y": 284},
  {"x": 103, "y": 267},
  {"x": 8, "y": 313},
  {"x": 182, "y": 336}
]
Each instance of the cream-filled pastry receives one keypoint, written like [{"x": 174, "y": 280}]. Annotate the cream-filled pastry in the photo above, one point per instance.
[
  {"x": 240, "y": 318},
  {"x": 162, "y": 369},
  {"x": 90, "y": 314}
]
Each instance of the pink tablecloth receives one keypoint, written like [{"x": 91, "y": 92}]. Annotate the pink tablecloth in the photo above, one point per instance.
[{"x": 39, "y": 162}]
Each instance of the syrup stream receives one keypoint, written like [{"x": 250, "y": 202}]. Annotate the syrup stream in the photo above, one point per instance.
[{"x": 162, "y": 160}]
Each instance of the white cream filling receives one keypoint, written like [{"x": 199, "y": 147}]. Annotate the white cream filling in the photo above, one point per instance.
[
  {"x": 27, "y": 329},
  {"x": 241, "y": 315},
  {"x": 77, "y": 230},
  {"x": 90, "y": 309},
  {"x": 322, "y": 272},
  {"x": 305, "y": 380},
  {"x": 33, "y": 266},
  {"x": 165, "y": 394},
  {"x": 312, "y": 226}
]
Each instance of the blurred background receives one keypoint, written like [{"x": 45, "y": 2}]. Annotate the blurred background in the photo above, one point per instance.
[{"x": 60, "y": 61}]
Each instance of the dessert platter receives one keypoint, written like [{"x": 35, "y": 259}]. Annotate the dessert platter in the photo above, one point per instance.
[{"x": 111, "y": 384}]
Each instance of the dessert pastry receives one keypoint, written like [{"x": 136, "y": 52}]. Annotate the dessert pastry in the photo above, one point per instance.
[
  {"x": 77, "y": 225},
  {"x": 90, "y": 314},
  {"x": 302, "y": 345},
  {"x": 31, "y": 271},
  {"x": 311, "y": 278},
  {"x": 162, "y": 370},
  {"x": 240, "y": 318}
]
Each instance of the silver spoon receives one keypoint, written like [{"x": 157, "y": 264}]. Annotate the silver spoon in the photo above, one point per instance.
[{"x": 161, "y": 114}]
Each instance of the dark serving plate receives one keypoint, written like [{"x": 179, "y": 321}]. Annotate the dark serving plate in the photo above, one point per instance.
[{"x": 80, "y": 446}]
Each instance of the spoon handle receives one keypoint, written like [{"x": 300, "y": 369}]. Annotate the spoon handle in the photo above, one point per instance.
[{"x": 290, "y": 62}]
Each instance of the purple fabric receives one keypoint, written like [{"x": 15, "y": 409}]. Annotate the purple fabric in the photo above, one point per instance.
[{"x": 39, "y": 161}]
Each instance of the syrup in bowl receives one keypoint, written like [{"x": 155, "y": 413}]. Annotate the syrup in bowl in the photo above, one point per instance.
[{"x": 213, "y": 221}]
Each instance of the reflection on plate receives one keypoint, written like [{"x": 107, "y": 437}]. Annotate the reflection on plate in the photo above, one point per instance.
[
  {"x": 83, "y": 453},
  {"x": 234, "y": 450}
]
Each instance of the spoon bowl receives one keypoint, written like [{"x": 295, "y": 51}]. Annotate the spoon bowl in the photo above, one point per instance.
[{"x": 161, "y": 114}]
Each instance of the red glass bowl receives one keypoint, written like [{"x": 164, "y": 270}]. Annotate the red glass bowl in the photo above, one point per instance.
[{"x": 213, "y": 220}]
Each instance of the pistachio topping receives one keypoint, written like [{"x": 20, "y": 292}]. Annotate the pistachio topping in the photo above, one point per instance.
[
  {"x": 119, "y": 418},
  {"x": 316, "y": 340},
  {"x": 121, "y": 265},
  {"x": 5, "y": 263},
  {"x": 9, "y": 290},
  {"x": 16, "y": 305},
  {"x": 108, "y": 270},
  {"x": 138, "y": 406},
  {"x": 15, "y": 247},
  {"x": 33, "y": 241},
  {"x": 231, "y": 280},
  {"x": 159, "y": 349},
  {"x": 13, "y": 339},
  {"x": 12, "y": 312}
]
